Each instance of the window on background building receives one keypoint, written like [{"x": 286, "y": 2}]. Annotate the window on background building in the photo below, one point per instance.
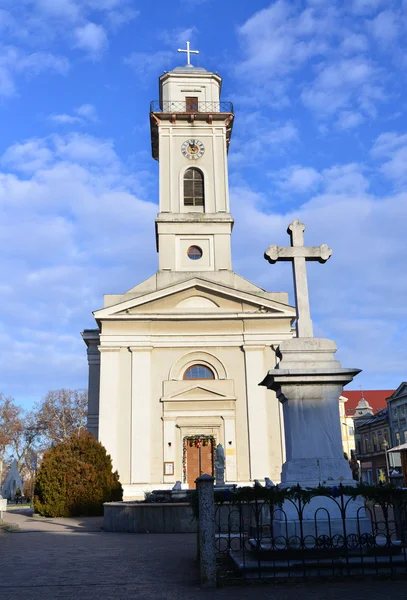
[
  {"x": 395, "y": 413},
  {"x": 386, "y": 436},
  {"x": 193, "y": 187},
  {"x": 374, "y": 443},
  {"x": 351, "y": 431},
  {"x": 367, "y": 445},
  {"x": 397, "y": 438},
  {"x": 380, "y": 440},
  {"x": 359, "y": 448},
  {"x": 367, "y": 477},
  {"x": 402, "y": 410},
  {"x": 198, "y": 372},
  {"x": 405, "y": 436},
  {"x": 191, "y": 104}
]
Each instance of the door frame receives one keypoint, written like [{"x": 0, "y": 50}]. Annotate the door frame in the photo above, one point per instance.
[{"x": 201, "y": 439}]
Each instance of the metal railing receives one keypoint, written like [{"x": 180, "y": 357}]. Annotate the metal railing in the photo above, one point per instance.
[
  {"x": 317, "y": 536},
  {"x": 182, "y": 106}
]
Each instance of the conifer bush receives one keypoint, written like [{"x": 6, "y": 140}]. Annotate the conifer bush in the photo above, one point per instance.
[{"x": 75, "y": 479}]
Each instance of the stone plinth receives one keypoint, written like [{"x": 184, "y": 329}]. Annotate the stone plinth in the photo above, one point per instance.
[
  {"x": 308, "y": 382},
  {"x": 143, "y": 517}
]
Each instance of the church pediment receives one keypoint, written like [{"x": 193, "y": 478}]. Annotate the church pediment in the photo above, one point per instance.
[
  {"x": 184, "y": 391},
  {"x": 196, "y": 296},
  {"x": 197, "y": 392}
]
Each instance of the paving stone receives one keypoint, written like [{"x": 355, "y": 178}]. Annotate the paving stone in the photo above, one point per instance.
[{"x": 74, "y": 559}]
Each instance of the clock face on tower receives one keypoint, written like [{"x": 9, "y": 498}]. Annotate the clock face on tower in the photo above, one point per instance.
[{"x": 192, "y": 149}]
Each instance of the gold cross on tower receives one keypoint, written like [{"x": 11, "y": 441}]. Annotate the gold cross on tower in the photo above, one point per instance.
[
  {"x": 298, "y": 254},
  {"x": 189, "y": 52}
]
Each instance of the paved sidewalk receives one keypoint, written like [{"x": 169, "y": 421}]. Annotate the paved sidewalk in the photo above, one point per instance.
[
  {"x": 73, "y": 559},
  {"x": 23, "y": 519}
]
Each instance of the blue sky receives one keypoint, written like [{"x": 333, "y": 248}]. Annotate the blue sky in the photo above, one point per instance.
[{"x": 319, "y": 89}]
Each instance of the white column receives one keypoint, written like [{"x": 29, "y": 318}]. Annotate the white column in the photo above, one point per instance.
[
  {"x": 256, "y": 412},
  {"x": 109, "y": 400},
  {"x": 141, "y": 415},
  {"x": 230, "y": 449}
]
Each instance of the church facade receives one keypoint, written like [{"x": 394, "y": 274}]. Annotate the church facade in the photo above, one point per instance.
[{"x": 176, "y": 361}]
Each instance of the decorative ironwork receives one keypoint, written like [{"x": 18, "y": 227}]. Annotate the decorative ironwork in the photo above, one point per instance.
[
  {"x": 181, "y": 106},
  {"x": 311, "y": 535}
]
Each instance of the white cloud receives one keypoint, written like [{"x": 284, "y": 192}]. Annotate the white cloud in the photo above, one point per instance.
[
  {"x": 29, "y": 156},
  {"x": 343, "y": 84},
  {"x": 65, "y": 119},
  {"x": 348, "y": 119},
  {"x": 255, "y": 142},
  {"x": 392, "y": 147},
  {"x": 67, "y": 224},
  {"x": 297, "y": 179},
  {"x": 354, "y": 43},
  {"x": 385, "y": 26},
  {"x": 92, "y": 39},
  {"x": 367, "y": 235},
  {"x": 271, "y": 39},
  {"x": 178, "y": 36},
  {"x": 144, "y": 64},
  {"x": 324, "y": 51},
  {"x": 14, "y": 61},
  {"x": 366, "y": 7},
  {"x": 86, "y": 113}
]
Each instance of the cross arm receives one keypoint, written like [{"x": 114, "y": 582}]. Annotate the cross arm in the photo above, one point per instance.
[{"x": 320, "y": 253}]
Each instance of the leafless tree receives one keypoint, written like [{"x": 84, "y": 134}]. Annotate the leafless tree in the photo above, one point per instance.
[{"x": 60, "y": 414}]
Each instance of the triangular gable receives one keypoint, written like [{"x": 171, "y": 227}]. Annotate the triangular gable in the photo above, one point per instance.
[
  {"x": 122, "y": 309},
  {"x": 400, "y": 392},
  {"x": 196, "y": 392}
]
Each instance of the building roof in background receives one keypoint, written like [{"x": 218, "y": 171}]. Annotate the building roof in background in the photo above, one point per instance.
[{"x": 375, "y": 398}]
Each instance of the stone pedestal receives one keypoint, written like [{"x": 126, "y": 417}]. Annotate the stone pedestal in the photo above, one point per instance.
[{"x": 308, "y": 382}]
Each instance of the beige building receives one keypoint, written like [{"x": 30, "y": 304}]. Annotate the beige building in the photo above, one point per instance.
[{"x": 176, "y": 361}]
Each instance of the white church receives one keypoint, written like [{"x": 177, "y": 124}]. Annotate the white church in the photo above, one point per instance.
[{"x": 176, "y": 361}]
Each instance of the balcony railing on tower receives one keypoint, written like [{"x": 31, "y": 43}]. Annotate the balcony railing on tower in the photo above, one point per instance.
[{"x": 187, "y": 106}]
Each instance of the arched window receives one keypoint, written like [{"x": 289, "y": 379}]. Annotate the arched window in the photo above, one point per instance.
[
  {"x": 193, "y": 187},
  {"x": 199, "y": 372}
]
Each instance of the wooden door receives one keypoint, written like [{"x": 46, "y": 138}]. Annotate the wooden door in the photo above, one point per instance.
[{"x": 199, "y": 460}]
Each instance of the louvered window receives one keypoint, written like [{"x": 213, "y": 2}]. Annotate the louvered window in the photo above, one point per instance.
[{"x": 193, "y": 188}]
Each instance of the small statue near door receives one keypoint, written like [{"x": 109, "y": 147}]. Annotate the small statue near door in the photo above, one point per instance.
[{"x": 220, "y": 465}]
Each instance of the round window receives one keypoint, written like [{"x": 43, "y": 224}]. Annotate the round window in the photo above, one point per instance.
[{"x": 194, "y": 252}]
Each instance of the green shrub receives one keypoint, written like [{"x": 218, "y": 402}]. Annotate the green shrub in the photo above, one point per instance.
[{"x": 75, "y": 479}]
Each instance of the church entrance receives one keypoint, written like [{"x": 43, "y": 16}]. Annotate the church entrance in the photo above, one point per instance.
[{"x": 198, "y": 457}]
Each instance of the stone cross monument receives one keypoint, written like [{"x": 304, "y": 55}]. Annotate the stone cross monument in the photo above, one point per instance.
[
  {"x": 298, "y": 254},
  {"x": 308, "y": 382}
]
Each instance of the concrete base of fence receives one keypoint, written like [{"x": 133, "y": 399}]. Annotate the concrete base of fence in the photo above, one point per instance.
[
  {"x": 142, "y": 517},
  {"x": 308, "y": 528}
]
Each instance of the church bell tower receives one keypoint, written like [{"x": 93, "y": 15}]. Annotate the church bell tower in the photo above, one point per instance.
[{"x": 190, "y": 134}]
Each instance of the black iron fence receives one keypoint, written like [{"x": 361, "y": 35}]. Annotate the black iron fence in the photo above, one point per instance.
[
  {"x": 182, "y": 106},
  {"x": 276, "y": 533}
]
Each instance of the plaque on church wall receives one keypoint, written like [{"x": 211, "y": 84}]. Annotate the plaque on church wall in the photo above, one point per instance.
[{"x": 168, "y": 468}]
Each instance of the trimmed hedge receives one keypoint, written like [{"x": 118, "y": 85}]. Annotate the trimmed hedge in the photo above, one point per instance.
[{"x": 75, "y": 479}]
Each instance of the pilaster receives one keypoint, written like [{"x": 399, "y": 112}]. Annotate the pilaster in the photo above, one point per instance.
[
  {"x": 141, "y": 414},
  {"x": 109, "y": 399},
  {"x": 256, "y": 412}
]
